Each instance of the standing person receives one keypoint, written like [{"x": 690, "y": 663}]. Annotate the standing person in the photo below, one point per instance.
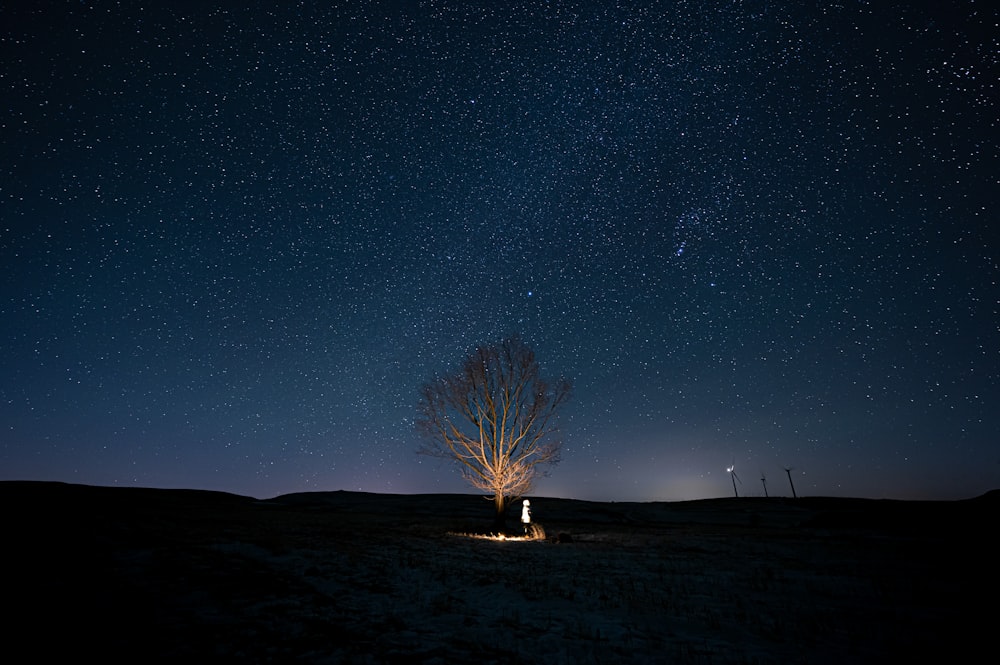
[{"x": 526, "y": 515}]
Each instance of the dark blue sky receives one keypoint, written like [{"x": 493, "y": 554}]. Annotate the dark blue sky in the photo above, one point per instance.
[{"x": 236, "y": 239}]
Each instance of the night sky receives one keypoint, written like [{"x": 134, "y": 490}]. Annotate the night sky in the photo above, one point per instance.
[{"x": 235, "y": 239}]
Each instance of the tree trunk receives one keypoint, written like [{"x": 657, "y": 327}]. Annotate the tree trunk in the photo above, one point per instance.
[{"x": 500, "y": 518}]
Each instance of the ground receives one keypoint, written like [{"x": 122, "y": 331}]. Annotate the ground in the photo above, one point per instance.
[{"x": 132, "y": 574}]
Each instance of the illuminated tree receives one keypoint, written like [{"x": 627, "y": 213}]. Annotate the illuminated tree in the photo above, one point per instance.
[{"x": 495, "y": 417}]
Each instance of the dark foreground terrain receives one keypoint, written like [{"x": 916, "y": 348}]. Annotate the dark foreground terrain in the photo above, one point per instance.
[{"x": 142, "y": 575}]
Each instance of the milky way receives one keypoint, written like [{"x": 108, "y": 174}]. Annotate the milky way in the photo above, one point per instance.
[{"x": 236, "y": 241}]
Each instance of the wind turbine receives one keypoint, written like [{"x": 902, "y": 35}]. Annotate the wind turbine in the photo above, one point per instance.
[
  {"x": 732, "y": 472},
  {"x": 763, "y": 481},
  {"x": 788, "y": 470}
]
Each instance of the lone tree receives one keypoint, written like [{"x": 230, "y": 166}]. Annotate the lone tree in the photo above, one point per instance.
[{"x": 495, "y": 417}]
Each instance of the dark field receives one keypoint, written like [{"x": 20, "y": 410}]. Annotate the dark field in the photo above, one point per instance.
[{"x": 143, "y": 575}]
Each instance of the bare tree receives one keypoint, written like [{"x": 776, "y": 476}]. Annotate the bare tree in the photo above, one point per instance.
[{"x": 495, "y": 417}]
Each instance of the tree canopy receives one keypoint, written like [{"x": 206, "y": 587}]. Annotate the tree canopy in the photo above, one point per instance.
[{"x": 495, "y": 417}]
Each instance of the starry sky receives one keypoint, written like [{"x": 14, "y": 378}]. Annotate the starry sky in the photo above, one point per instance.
[{"x": 236, "y": 238}]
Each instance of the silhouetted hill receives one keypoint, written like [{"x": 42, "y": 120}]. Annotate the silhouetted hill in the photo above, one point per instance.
[{"x": 168, "y": 575}]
